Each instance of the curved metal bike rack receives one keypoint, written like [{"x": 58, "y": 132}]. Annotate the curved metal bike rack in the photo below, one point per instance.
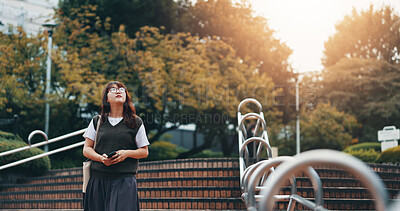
[
  {"x": 268, "y": 176},
  {"x": 253, "y": 176},
  {"x": 293, "y": 197},
  {"x": 360, "y": 170},
  {"x": 244, "y": 141}
]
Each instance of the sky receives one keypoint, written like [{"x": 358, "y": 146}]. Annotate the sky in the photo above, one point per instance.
[{"x": 305, "y": 25}]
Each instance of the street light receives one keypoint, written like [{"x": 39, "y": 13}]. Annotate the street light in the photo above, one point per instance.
[
  {"x": 297, "y": 116},
  {"x": 49, "y": 27},
  {"x": 298, "y": 80}
]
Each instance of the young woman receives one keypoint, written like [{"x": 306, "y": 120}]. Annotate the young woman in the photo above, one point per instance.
[{"x": 112, "y": 185}]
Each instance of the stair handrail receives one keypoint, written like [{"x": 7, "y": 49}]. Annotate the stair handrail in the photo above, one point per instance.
[{"x": 53, "y": 140}]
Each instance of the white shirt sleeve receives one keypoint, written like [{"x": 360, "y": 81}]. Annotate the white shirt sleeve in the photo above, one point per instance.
[
  {"x": 141, "y": 137},
  {"x": 90, "y": 132}
]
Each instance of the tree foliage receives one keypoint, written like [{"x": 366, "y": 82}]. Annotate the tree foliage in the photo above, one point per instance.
[
  {"x": 361, "y": 74},
  {"x": 369, "y": 34},
  {"x": 326, "y": 127},
  {"x": 188, "y": 78},
  {"x": 134, "y": 14},
  {"x": 366, "y": 88},
  {"x": 22, "y": 73},
  {"x": 254, "y": 42},
  {"x": 232, "y": 22},
  {"x": 174, "y": 78}
]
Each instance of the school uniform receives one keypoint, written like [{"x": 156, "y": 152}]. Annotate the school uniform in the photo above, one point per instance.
[{"x": 114, "y": 187}]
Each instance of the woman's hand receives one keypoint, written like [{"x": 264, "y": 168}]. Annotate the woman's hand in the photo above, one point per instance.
[
  {"x": 119, "y": 157},
  {"x": 107, "y": 161}
]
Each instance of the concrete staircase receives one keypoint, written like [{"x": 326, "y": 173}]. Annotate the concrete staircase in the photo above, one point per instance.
[{"x": 203, "y": 184}]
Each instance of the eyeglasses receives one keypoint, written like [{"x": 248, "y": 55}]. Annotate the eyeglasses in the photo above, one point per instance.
[{"x": 114, "y": 90}]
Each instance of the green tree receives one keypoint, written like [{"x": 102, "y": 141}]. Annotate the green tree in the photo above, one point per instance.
[
  {"x": 361, "y": 72},
  {"x": 22, "y": 72},
  {"x": 326, "y": 127},
  {"x": 176, "y": 79},
  {"x": 373, "y": 33},
  {"x": 134, "y": 14},
  {"x": 366, "y": 88},
  {"x": 251, "y": 38},
  {"x": 188, "y": 78}
]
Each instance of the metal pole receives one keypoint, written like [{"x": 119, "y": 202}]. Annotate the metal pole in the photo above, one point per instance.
[
  {"x": 47, "y": 92},
  {"x": 297, "y": 118}
]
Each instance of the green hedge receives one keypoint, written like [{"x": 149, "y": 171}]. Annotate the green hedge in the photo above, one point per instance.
[
  {"x": 367, "y": 156},
  {"x": 163, "y": 150},
  {"x": 391, "y": 155},
  {"x": 364, "y": 146},
  {"x": 207, "y": 154},
  {"x": 36, "y": 167},
  {"x": 68, "y": 159}
]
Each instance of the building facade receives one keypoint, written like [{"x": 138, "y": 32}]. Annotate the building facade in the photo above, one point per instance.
[{"x": 29, "y": 14}]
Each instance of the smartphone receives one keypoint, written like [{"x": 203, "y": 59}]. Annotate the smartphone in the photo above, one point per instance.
[{"x": 111, "y": 154}]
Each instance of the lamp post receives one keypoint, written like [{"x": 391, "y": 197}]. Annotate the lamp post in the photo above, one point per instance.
[
  {"x": 297, "y": 116},
  {"x": 310, "y": 101},
  {"x": 50, "y": 27}
]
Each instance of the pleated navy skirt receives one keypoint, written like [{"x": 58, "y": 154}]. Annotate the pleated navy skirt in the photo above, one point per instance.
[{"x": 111, "y": 195}]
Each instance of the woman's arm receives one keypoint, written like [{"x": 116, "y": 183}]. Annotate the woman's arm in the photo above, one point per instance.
[{"x": 89, "y": 152}]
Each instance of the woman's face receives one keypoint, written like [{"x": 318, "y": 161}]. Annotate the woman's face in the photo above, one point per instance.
[{"x": 116, "y": 94}]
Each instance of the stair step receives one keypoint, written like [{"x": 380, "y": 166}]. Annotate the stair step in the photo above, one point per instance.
[
  {"x": 189, "y": 182},
  {"x": 41, "y": 187},
  {"x": 343, "y": 182},
  {"x": 338, "y": 192},
  {"x": 42, "y": 204},
  {"x": 189, "y": 192},
  {"x": 191, "y": 163},
  {"x": 168, "y": 172},
  {"x": 149, "y": 182},
  {"x": 41, "y": 195},
  {"x": 192, "y": 203},
  {"x": 334, "y": 204},
  {"x": 189, "y": 172},
  {"x": 337, "y": 173}
]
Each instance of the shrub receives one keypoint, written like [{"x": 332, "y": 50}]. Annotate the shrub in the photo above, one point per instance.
[
  {"x": 163, "y": 150},
  {"x": 68, "y": 159},
  {"x": 367, "y": 156},
  {"x": 207, "y": 154},
  {"x": 391, "y": 155},
  {"x": 8, "y": 136},
  {"x": 35, "y": 167},
  {"x": 365, "y": 146}
]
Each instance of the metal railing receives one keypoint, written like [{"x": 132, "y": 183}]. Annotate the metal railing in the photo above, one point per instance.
[
  {"x": 262, "y": 181},
  {"x": 41, "y": 144}
]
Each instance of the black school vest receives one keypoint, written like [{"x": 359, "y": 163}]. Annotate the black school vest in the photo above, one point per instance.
[{"x": 111, "y": 138}]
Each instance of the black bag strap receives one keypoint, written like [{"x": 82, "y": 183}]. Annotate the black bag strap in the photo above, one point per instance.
[{"x": 97, "y": 129}]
